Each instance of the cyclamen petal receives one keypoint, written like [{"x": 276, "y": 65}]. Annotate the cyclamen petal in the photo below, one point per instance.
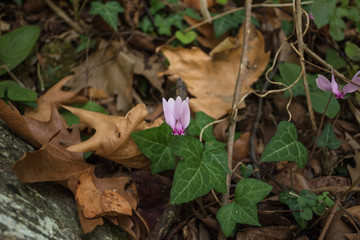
[
  {"x": 168, "y": 108},
  {"x": 323, "y": 83},
  {"x": 177, "y": 114},
  {"x": 349, "y": 88}
]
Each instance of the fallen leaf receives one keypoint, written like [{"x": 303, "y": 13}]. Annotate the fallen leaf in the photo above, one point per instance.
[
  {"x": 354, "y": 172},
  {"x": 111, "y": 69},
  {"x": 196, "y": 4},
  {"x": 343, "y": 226},
  {"x": 96, "y": 201},
  {"x": 51, "y": 163},
  {"x": 54, "y": 95},
  {"x": 212, "y": 79},
  {"x": 15, "y": 121},
  {"x": 267, "y": 233},
  {"x": 112, "y": 138}
]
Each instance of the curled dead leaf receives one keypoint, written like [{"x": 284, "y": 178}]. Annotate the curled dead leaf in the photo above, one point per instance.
[
  {"x": 95, "y": 202},
  {"x": 212, "y": 79},
  {"x": 55, "y": 95},
  {"x": 112, "y": 138}
]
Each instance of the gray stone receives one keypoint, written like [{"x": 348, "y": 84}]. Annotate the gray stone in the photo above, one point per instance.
[{"x": 38, "y": 210}]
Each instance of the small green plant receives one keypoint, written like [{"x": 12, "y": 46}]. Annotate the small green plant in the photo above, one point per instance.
[
  {"x": 165, "y": 23},
  {"x": 327, "y": 12},
  {"x": 17, "y": 45},
  {"x": 305, "y": 204},
  {"x": 12, "y": 91},
  {"x": 108, "y": 11}
]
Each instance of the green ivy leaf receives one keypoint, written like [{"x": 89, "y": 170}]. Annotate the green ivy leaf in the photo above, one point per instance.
[
  {"x": 285, "y": 147},
  {"x": 201, "y": 120},
  {"x": 247, "y": 171},
  {"x": 186, "y": 38},
  {"x": 17, "y": 45},
  {"x": 319, "y": 100},
  {"x": 108, "y": 11},
  {"x": 293, "y": 204},
  {"x": 289, "y": 72},
  {"x": 333, "y": 58},
  {"x": 225, "y": 23},
  {"x": 323, "y": 10},
  {"x": 248, "y": 193},
  {"x": 154, "y": 143},
  {"x": 352, "y": 51},
  {"x": 156, "y": 6},
  {"x": 337, "y": 26},
  {"x": 197, "y": 173},
  {"x": 328, "y": 139},
  {"x": 16, "y": 93}
]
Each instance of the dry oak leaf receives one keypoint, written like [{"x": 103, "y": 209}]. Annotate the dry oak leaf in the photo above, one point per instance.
[
  {"x": 16, "y": 122},
  {"x": 51, "y": 163},
  {"x": 111, "y": 198},
  {"x": 111, "y": 69},
  {"x": 212, "y": 79},
  {"x": 54, "y": 95},
  {"x": 112, "y": 138},
  {"x": 96, "y": 201}
]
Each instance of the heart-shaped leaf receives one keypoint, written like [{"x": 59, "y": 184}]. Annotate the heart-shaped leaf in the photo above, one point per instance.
[
  {"x": 187, "y": 37},
  {"x": 327, "y": 138},
  {"x": 248, "y": 193},
  {"x": 285, "y": 147}
]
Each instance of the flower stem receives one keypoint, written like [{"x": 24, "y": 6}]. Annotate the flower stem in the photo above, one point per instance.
[{"x": 320, "y": 127}]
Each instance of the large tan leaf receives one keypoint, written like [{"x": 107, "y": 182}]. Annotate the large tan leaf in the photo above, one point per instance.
[
  {"x": 112, "y": 138},
  {"x": 111, "y": 69},
  {"x": 55, "y": 95},
  {"x": 212, "y": 79}
]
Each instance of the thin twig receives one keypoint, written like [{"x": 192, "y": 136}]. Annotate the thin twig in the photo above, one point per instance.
[
  {"x": 4, "y": 66},
  {"x": 236, "y": 99},
  {"x": 64, "y": 16},
  {"x": 299, "y": 33}
]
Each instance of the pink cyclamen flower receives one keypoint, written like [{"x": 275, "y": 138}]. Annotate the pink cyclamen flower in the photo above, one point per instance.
[
  {"x": 324, "y": 84},
  {"x": 177, "y": 114}
]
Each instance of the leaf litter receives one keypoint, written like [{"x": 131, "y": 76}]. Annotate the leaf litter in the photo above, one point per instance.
[{"x": 116, "y": 69}]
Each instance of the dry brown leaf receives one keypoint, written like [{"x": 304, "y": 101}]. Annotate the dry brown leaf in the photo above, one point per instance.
[
  {"x": 112, "y": 138},
  {"x": 53, "y": 95},
  {"x": 51, "y": 163},
  {"x": 196, "y": 3},
  {"x": 15, "y": 121},
  {"x": 111, "y": 69},
  {"x": 212, "y": 79},
  {"x": 267, "y": 233},
  {"x": 354, "y": 172},
  {"x": 343, "y": 226},
  {"x": 104, "y": 201}
]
